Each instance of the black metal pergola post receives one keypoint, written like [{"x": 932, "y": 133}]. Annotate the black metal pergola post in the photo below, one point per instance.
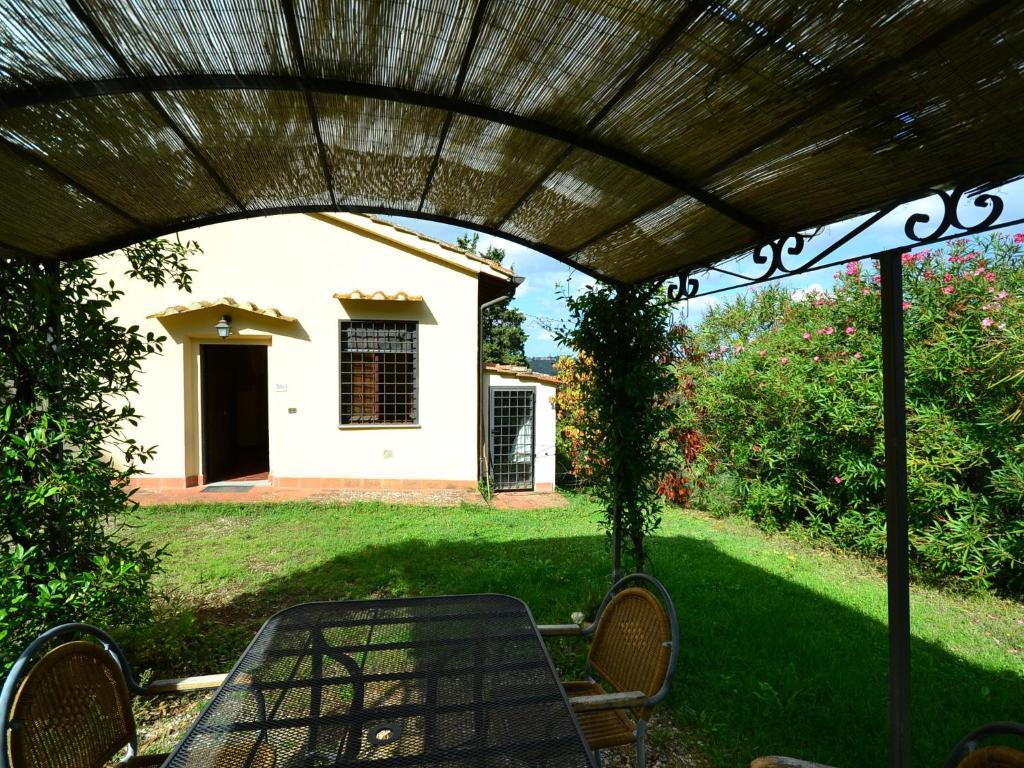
[{"x": 896, "y": 531}]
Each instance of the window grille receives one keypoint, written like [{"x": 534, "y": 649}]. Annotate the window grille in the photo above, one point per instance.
[
  {"x": 378, "y": 366},
  {"x": 512, "y": 439}
]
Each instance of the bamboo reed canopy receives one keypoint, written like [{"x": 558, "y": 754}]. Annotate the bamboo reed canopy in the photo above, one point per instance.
[{"x": 631, "y": 139}]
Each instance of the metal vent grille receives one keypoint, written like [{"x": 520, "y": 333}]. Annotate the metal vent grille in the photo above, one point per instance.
[
  {"x": 512, "y": 438},
  {"x": 378, "y": 371}
]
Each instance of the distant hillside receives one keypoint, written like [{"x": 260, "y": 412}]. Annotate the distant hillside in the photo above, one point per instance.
[{"x": 543, "y": 365}]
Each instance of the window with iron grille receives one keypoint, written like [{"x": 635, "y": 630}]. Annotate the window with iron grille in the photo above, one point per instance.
[{"x": 378, "y": 360}]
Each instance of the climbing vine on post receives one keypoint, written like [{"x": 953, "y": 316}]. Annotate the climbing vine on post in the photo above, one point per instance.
[{"x": 622, "y": 336}]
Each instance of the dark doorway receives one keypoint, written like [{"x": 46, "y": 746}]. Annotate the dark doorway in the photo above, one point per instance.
[{"x": 236, "y": 445}]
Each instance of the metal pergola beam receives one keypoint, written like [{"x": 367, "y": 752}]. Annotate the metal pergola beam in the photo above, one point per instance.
[
  {"x": 460, "y": 80},
  {"x": 41, "y": 162},
  {"x": 295, "y": 43},
  {"x": 147, "y": 85},
  {"x": 681, "y": 23},
  {"x": 949, "y": 226},
  {"x": 863, "y": 84},
  {"x": 130, "y": 79},
  {"x": 897, "y": 542},
  {"x": 121, "y": 241},
  {"x": 850, "y": 88}
]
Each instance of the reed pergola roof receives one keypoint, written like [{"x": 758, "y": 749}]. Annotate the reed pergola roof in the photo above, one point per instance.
[{"x": 631, "y": 139}]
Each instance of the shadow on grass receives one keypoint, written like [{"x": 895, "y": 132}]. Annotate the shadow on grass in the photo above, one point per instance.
[{"x": 767, "y": 666}]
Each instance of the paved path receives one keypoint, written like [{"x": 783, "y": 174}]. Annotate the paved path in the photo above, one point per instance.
[{"x": 264, "y": 493}]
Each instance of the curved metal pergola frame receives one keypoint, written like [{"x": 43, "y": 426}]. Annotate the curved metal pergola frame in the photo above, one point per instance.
[{"x": 898, "y": 128}]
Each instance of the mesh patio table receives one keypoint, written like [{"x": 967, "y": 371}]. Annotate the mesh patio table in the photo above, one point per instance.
[{"x": 440, "y": 681}]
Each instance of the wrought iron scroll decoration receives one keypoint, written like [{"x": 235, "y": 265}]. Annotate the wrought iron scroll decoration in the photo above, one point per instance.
[
  {"x": 773, "y": 253},
  {"x": 951, "y": 216}
]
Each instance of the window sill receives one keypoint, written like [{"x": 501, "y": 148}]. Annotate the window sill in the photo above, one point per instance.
[{"x": 378, "y": 426}]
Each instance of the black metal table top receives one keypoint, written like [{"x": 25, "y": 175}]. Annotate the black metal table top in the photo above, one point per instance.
[{"x": 439, "y": 681}]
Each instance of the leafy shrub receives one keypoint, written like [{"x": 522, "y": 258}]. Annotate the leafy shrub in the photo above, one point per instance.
[
  {"x": 620, "y": 419},
  {"x": 789, "y": 393},
  {"x": 577, "y": 439},
  {"x": 68, "y": 367}
]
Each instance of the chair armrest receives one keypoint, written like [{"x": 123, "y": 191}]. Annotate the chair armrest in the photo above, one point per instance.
[
  {"x": 184, "y": 684},
  {"x": 608, "y": 701},
  {"x": 775, "y": 761},
  {"x": 560, "y": 630}
]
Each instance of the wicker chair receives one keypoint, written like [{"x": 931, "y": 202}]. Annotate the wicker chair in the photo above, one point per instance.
[
  {"x": 966, "y": 754},
  {"x": 634, "y": 652},
  {"x": 72, "y": 708}
]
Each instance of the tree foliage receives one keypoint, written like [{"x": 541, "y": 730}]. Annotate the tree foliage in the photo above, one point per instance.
[
  {"x": 504, "y": 340},
  {"x": 622, "y": 388},
  {"x": 789, "y": 390},
  {"x": 68, "y": 366}
]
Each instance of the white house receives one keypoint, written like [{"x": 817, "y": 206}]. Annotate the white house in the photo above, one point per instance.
[{"x": 327, "y": 351}]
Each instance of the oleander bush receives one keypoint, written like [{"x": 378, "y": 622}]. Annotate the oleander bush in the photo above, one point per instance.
[{"x": 787, "y": 390}]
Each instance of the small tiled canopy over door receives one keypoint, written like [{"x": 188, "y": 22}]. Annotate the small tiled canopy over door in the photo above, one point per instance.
[{"x": 512, "y": 437}]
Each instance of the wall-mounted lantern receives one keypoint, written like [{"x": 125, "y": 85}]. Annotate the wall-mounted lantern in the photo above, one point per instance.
[{"x": 223, "y": 326}]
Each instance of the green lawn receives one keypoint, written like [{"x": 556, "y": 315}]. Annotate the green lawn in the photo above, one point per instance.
[{"x": 784, "y": 646}]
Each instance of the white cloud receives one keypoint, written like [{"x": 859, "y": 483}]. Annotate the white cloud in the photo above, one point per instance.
[{"x": 802, "y": 293}]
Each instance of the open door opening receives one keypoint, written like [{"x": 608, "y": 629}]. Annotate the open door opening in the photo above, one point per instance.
[{"x": 236, "y": 444}]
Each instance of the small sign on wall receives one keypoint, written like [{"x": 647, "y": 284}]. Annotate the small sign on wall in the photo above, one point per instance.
[{"x": 280, "y": 387}]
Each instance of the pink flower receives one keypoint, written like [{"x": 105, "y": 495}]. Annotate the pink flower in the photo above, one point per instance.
[
  {"x": 969, "y": 256},
  {"x": 1018, "y": 238},
  {"x": 866, "y": 291},
  {"x": 784, "y": 360},
  {"x": 853, "y": 268},
  {"x": 837, "y": 480},
  {"x": 850, "y": 330},
  {"x": 806, "y": 335},
  {"x": 817, "y": 358},
  {"x": 843, "y": 354},
  {"x": 991, "y": 276},
  {"x": 762, "y": 353},
  {"x": 906, "y": 305},
  {"x": 876, "y": 279},
  {"x": 830, "y": 330},
  {"x": 927, "y": 275},
  {"x": 857, "y": 355},
  {"x": 954, "y": 259},
  {"x": 948, "y": 278},
  {"x": 1002, "y": 295},
  {"x": 987, "y": 322},
  {"x": 948, "y": 290}
]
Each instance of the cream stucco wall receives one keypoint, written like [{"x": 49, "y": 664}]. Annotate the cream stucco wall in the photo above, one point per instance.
[
  {"x": 544, "y": 422},
  {"x": 295, "y": 264}
]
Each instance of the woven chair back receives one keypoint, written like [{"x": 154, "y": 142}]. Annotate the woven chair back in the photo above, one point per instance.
[
  {"x": 631, "y": 648},
  {"x": 71, "y": 711},
  {"x": 994, "y": 757}
]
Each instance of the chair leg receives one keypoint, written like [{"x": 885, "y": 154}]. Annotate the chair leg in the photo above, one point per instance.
[
  {"x": 597, "y": 757},
  {"x": 641, "y": 745}
]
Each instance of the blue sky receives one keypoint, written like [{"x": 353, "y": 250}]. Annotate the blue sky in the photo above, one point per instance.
[{"x": 538, "y": 298}]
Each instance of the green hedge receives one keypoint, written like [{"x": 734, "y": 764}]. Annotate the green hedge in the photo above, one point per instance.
[{"x": 787, "y": 390}]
